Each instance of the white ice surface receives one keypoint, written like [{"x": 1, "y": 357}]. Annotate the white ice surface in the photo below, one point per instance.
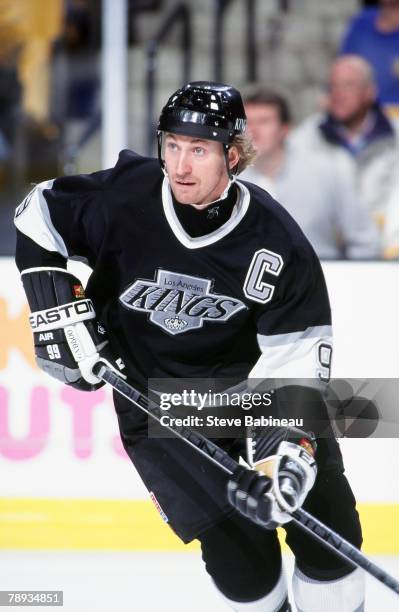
[{"x": 140, "y": 582}]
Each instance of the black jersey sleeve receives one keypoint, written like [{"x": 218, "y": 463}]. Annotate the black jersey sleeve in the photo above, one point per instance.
[
  {"x": 29, "y": 254},
  {"x": 294, "y": 327},
  {"x": 72, "y": 215},
  {"x": 64, "y": 216}
]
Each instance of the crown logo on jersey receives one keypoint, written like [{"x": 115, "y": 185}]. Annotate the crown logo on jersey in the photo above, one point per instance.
[
  {"x": 178, "y": 302},
  {"x": 175, "y": 324}
]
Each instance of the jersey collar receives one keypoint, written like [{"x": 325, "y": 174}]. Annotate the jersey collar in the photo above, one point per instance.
[{"x": 239, "y": 210}]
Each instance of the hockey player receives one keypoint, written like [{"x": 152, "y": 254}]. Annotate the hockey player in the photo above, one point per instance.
[{"x": 196, "y": 274}]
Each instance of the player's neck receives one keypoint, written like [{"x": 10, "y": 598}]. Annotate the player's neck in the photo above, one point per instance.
[
  {"x": 388, "y": 19},
  {"x": 199, "y": 222},
  {"x": 215, "y": 198}
]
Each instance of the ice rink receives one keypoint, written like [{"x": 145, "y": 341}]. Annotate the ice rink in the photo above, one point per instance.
[{"x": 136, "y": 582}]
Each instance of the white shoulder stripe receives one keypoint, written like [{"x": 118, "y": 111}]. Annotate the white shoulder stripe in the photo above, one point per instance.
[
  {"x": 318, "y": 331},
  {"x": 32, "y": 218},
  {"x": 294, "y": 355}
]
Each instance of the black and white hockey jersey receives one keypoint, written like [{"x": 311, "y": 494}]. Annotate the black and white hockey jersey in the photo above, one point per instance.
[{"x": 248, "y": 298}]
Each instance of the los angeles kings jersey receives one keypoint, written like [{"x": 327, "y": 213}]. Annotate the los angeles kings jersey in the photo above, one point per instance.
[
  {"x": 246, "y": 299},
  {"x": 178, "y": 306}
]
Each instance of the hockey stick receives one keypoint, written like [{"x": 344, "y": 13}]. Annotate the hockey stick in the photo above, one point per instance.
[{"x": 217, "y": 455}]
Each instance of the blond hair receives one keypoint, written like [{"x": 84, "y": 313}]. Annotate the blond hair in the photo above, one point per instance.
[{"x": 246, "y": 151}]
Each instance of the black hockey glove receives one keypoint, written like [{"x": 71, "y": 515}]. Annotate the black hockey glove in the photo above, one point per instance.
[
  {"x": 285, "y": 471},
  {"x": 250, "y": 493},
  {"x": 68, "y": 340}
]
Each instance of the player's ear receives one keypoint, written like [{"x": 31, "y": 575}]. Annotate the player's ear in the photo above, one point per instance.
[{"x": 233, "y": 156}]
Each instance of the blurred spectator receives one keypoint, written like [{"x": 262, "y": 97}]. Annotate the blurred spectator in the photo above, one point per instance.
[
  {"x": 28, "y": 33},
  {"x": 10, "y": 90},
  {"x": 322, "y": 200},
  {"x": 374, "y": 34},
  {"x": 390, "y": 237},
  {"x": 10, "y": 100},
  {"x": 75, "y": 89},
  {"x": 27, "y": 143},
  {"x": 25, "y": 43},
  {"x": 359, "y": 137}
]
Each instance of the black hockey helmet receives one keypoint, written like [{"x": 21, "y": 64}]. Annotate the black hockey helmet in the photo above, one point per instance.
[{"x": 208, "y": 110}]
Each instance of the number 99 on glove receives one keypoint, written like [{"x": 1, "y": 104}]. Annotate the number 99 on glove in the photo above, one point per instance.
[{"x": 67, "y": 337}]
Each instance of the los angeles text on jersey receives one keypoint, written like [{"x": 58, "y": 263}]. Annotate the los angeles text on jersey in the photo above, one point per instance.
[{"x": 178, "y": 302}]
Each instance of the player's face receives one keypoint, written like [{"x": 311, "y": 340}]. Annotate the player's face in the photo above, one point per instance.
[
  {"x": 196, "y": 168},
  {"x": 350, "y": 95},
  {"x": 265, "y": 128}
]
